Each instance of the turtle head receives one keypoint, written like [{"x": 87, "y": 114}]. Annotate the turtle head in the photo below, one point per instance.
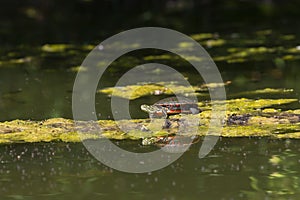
[{"x": 147, "y": 108}]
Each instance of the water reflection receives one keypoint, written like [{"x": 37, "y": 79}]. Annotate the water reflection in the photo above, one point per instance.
[{"x": 280, "y": 180}]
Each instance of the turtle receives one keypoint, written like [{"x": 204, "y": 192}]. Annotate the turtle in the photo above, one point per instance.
[
  {"x": 170, "y": 106},
  {"x": 165, "y": 108}
]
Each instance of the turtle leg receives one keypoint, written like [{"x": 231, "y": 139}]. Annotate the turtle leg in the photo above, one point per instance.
[{"x": 167, "y": 123}]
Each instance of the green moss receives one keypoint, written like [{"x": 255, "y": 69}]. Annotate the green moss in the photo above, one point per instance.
[
  {"x": 185, "y": 44},
  {"x": 214, "y": 85},
  {"x": 202, "y": 36},
  {"x": 249, "y": 106},
  {"x": 263, "y": 93},
  {"x": 270, "y": 110},
  {"x": 214, "y": 43},
  {"x": 136, "y": 91},
  {"x": 297, "y": 111},
  {"x": 288, "y": 37},
  {"x": 79, "y": 69},
  {"x": 261, "y": 122},
  {"x": 244, "y": 54},
  {"x": 160, "y": 57},
  {"x": 55, "y": 47},
  {"x": 269, "y": 91},
  {"x": 244, "y": 131}
]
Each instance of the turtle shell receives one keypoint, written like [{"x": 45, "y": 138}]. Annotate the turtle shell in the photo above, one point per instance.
[{"x": 175, "y": 107}]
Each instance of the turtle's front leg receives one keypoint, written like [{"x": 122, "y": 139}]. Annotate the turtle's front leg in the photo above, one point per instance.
[{"x": 167, "y": 123}]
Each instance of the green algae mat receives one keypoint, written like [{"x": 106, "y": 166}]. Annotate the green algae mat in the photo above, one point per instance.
[{"x": 244, "y": 118}]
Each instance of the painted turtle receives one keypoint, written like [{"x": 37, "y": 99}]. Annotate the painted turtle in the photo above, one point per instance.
[
  {"x": 165, "y": 108},
  {"x": 170, "y": 106}
]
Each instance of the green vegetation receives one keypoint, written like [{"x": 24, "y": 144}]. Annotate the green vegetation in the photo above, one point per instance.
[
  {"x": 256, "y": 46},
  {"x": 146, "y": 89},
  {"x": 245, "y": 118},
  {"x": 136, "y": 91}
]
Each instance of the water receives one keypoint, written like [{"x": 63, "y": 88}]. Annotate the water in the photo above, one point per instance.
[
  {"x": 236, "y": 169},
  {"x": 47, "y": 81}
]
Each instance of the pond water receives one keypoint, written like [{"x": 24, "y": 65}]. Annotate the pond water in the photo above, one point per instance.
[
  {"x": 31, "y": 77},
  {"x": 36, "y": 81},
  {"x": 236, "y": 169}
]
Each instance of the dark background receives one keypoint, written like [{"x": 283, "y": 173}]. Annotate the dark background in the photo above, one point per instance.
[{"x": 85, "y": 21}]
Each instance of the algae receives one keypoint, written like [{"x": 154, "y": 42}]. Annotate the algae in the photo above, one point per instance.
[
  {"x": 51, "y": 48},
  {"x": 260, "y": 116},
  {"x": 136, "y": 91},
  {"x": 168, "y": 88},
  {"x": 230, "y": 48},
  {"x": 268, "y": 91}
]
